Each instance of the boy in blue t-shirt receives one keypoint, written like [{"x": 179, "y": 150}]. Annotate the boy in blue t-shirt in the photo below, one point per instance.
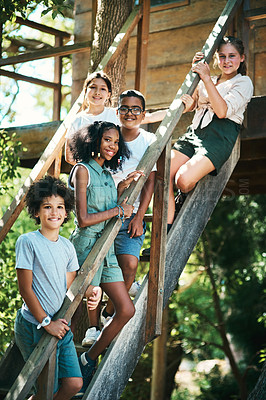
[{"x": 46, "y": 265}]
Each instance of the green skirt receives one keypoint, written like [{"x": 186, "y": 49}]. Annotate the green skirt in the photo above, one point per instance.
[{"x": 215, "y": 141}]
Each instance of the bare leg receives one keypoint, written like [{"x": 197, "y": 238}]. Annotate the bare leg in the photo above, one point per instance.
[
  {"x": 68, "y": 389},
  {"x": 124, "y": 310},
  {"x": 94, "y": 316},
  {"x": 192, "y": 171},
  {"x": 129, "y": 265}
]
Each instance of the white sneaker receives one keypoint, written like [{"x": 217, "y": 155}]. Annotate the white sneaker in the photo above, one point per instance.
[
  {"x": 105, "y": 320},
  {"x": 134, "y": 289},
  {"x": 91, "y": 336}
]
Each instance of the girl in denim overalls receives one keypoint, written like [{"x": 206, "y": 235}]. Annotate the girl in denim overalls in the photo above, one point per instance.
[{"x": 94, "y": 148}]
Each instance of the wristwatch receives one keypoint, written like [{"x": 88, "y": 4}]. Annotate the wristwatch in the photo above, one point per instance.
[{"x": 46, "y": 321}]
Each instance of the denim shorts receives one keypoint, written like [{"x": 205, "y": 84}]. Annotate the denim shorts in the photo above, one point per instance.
[
  {"x": 109, "y": 271},
  {"x": 126, "y": 245},
  {"x": 27, "y": 337}
]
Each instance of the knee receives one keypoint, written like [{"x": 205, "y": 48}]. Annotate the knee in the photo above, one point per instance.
[
  {"x": 77, "y": 385},
  {"x": 131, "y": 312},
  {"x": 127, "y": 312},
  {"x": 131, "y": 267},
  {"x": 184, "y": 182},
  {"x": 71, "y": 386}
]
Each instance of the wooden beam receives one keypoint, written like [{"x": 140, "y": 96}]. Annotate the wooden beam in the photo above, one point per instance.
[
  {"x": 169, "y": 5},
  {"x": 159, "y": 359},
  {"x": 255, "y": 14},
  {"x": 36, "y": 81},
  {"x": 55, "y": 168},
  {"x": 34, "y": 137},
  {"x": 46, "y": 379},
  {"x": 53, "y": 52},
  {"x": 42, "y": 28},
  {"x": 158, "y": 243},
  {"x": 142, "y": 49},
  {"x": 57, "y": 95}
]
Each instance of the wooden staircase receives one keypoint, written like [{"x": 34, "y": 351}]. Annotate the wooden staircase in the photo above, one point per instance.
[{"x": 167, "y": 261}]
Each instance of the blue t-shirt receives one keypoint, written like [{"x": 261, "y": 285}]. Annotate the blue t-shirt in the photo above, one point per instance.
[{"x": 49, "y": 262}]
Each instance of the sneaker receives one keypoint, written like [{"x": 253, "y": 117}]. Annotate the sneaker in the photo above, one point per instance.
[
  {"x": 105, "y": 320},
  {"x": 87, "y": 369},
  {"x": 146, "y": 252},
  {"x": 91, "y": 336},
  {"x": 134, "y": 287},
  {"x": 179, "y": 200}
]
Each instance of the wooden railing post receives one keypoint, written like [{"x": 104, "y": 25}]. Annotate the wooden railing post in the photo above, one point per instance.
[
  {"x": 55, "y": 168},
  {"x": 57, "y": 95},
  {"x": 46, "y": 379},
  {"x": 142, "y": 48},
  {"x": 158, "y": 245}
]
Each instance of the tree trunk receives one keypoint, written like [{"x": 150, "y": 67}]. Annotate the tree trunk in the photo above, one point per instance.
[
  {"x": 110, "y": 17},
  {"x": 83, "y": 16}
]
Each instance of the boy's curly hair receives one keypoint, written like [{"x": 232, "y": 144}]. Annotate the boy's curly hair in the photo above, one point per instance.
[
  {"x": 47, "y": 187},
  {"x": 86, "y": 142}
]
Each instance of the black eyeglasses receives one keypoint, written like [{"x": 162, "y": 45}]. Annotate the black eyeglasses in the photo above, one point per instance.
[{"x": 123, "y": 110}]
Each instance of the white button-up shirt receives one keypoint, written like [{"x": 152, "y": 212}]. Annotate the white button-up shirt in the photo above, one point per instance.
[{"x": 236, "y": 92}]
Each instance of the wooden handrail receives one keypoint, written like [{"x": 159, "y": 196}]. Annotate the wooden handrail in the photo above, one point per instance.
[
  {"x": 58, "y": 140},
  {"x": 20, "y": 77},
  {"x": 42, "y": 28},
  {"x": 53, "y": 52}
]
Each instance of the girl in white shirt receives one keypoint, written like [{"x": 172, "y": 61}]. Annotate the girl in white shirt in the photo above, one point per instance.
[{"x": 220, "y": 103}]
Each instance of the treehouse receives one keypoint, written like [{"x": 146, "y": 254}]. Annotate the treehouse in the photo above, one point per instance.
[
  {"x": 162, "y": 37},
  {"x": 175, "y": 30}
]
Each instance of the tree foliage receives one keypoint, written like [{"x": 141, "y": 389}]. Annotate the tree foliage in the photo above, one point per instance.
[
  {"x": 11, "y": 9},
  {"x": 9, "y": 160}
]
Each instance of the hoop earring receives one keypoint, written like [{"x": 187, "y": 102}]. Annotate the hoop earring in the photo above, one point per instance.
[{"x": 92, "y": 153}]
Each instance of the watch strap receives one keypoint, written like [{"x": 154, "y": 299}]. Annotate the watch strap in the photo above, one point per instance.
[{"x": 46, "y": 321}]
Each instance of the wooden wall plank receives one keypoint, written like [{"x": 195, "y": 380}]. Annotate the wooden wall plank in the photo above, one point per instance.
[
  {"x": 165, "y": 52},
  {"x": 187, "y": 15}
]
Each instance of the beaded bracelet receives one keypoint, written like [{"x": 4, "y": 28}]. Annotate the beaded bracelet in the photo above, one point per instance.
[{"x": 123, "y": 212}]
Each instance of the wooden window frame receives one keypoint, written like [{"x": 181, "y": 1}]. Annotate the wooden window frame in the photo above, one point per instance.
[{"x": 170, "y": 5}]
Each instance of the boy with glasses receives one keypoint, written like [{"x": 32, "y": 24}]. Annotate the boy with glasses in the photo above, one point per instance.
[{"x": 131, "y": 111}]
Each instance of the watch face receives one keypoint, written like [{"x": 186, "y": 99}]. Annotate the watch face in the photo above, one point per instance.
[{"x": 47, "y": 320}]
